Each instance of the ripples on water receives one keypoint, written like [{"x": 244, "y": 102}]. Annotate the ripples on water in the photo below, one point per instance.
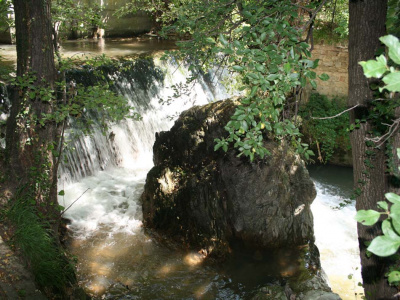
[{"x": 119, "y": 261}]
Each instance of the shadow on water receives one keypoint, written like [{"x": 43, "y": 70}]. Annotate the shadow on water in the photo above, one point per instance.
[{"x": 336, "y": 180}]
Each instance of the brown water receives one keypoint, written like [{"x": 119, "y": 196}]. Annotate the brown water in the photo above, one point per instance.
[
  {"x": 137, "y": 267},
  {"x": 118, "y": 260},
  {"x": 91, "y": 47}
]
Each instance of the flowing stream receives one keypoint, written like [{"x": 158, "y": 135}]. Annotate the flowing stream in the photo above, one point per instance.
[
  {"x": 336, "y": 230},
  {"x": 118, "y": 260},
  {"x": 103, "y": 179}
]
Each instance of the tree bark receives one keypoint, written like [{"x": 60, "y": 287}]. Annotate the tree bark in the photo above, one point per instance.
[
  {"x": 366, "y": 26},
  {"x": 30, "y": 145}
]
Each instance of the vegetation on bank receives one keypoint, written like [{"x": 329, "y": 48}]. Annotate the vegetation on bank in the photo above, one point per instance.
[
  {"x": 324, "y": 126},
  {"x": 263, "y": 42},
  {"x": 387, "y": 243}
]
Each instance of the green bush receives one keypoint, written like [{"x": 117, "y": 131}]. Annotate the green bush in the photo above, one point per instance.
[{"x": 326, "y": 135}]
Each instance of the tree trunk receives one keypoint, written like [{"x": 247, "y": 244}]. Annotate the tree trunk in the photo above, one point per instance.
[
  {"x": 366, "y": 26},
  {"x": 30, "y": 145}
]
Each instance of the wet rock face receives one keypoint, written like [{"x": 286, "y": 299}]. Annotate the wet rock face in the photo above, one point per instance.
[{"x": 212, "y": 199}]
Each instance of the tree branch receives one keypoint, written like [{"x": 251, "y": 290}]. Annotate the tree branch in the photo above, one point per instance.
[
  {"x": 314, "y": 14},
  {"x": 341, "y": 113},
  {"x": 392, "y": 130}
]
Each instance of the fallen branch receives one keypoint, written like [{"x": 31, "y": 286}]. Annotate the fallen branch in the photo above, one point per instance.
[
  {"x": 341, "y": 113},
  {"x": 74, "y": 202}
]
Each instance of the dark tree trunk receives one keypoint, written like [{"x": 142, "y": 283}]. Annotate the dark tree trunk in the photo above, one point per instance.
[
  {"x": 29, "y": 144},
  {"x": 366, "y": 26}
]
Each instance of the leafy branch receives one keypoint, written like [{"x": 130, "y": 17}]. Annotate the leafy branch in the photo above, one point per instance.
[{"x": 387, "y": 244}]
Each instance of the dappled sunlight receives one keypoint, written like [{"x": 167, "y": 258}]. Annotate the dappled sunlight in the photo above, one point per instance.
[
  {"x": 193, "y": 259},
  {"x": 98, "y": 286},
  {"x": 100, "y": 268},
  {"x": 202, "y": 291},
  {"x": 166, "y": 269}
]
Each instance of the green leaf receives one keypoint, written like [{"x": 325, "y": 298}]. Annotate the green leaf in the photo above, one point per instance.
[
  {"x": 315, "y": 64},
  {"x": 384, "y": 246},
  {"x": 394, "y": 276},
  {"x": 253, "y": 90},
  {"x": 393, "y": 44},
  {"x": 223, "y": 40},
  {"x": 32, "y": 95},
  {"x": 392, "y": 81},
  {"x": 313, "y": 84},
  {"x": 392, "y": 197},
  {"x": 217, "y": 146},
  {"x": 383, "y": 204},
  {"x": 238, "y": 68},
  {"x": 287, "y": 67},
  {"x": 367, "y": 217},
  {"x": 395, "y": 209},
  {"x": 61, "y": 193},
  {"x": 210, "y": 40},
  {"x": 388, "y": 230},
  {"x": 395, "y": 221},
  {"x": 373, "y": 68},
  {"x": 272, "y": 77},
  {"x": 324, "y": 77}
]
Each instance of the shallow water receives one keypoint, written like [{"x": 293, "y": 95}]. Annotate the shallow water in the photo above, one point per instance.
[
  {"x": 117, "y": 259},
  {"x": 91, "y": 47}
]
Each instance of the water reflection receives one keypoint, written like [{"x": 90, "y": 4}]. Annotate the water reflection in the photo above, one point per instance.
[{"x": 91, "y": 47}]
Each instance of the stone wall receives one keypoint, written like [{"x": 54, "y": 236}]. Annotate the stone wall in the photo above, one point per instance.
[{"x": 334, "y": 62}]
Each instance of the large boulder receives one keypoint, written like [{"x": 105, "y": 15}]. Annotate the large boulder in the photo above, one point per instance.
[{"x": 212, "y": 199}]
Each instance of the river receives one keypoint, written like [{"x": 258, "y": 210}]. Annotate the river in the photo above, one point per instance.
[{"x": 117, "y": 259}]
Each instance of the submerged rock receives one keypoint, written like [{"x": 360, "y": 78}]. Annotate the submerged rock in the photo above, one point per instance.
[{"x": 211, "y": 199}]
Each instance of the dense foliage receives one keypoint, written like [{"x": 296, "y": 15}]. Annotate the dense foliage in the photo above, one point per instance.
[
  {"x": 70, "y": 16},
  {"x": 332, "y": 23},
  {"x": 323, "y": 133},
  {"x": 261, "y": 43}
]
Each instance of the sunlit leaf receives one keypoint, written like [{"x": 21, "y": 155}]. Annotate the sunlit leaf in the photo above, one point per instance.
[
  {"x": 388, "y": 230},
  {"x": 373, "y": 68},
  {"x": 392, "y": 82},
  {"x": 394, "y": 276},
  {"x": 383, "y": 205},
  {"x": 392, "y": 197},
  {"x": 393, "y": 44},
  {"x": 384, "y": 246},
  {"x": 367, "y": 217}
]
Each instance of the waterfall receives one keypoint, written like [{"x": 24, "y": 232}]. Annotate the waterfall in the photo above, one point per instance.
[
  {"x": 129, "y": 143},
  {"x": 103, "y": 178}
]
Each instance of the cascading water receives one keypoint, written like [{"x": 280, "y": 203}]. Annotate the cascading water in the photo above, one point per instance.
[
  {"x": 129, "y": 143},
  {"x": 336, "y": 230},
  {"x": 104, "y": 178},
  {"x": 105, "y": 175}
]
